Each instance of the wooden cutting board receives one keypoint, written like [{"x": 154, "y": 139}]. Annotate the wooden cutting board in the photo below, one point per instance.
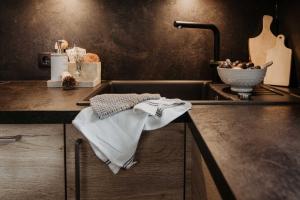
[
  {"x": 279, "y": 72},
  {"x": 258, "y": 46}
]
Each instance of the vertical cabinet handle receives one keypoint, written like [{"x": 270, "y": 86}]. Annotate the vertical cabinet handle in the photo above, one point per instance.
[
  {"x": 10, "y": 139},
  {"x": 77, "y": 168}
]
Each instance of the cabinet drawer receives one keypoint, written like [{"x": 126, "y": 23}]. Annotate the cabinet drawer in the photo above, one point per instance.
[
  {"x": 158, "y": 174},
  {"x": 31, "y": 167}
]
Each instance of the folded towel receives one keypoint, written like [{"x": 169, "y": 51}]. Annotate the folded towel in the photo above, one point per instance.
[
  {"x": 156, "y": 107},
  {"x": 115, "y": 139},
  {"x": 106, "y": 105},
  {"x": 170, "y": 108}
]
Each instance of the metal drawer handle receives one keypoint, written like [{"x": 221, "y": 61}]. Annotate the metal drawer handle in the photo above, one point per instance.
[
  {"x": 10, "y": 139},
  {"x": 77, "y": 168}
]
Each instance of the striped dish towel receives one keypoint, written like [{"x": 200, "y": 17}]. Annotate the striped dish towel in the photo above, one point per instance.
[{"x": 115, "y": 139}]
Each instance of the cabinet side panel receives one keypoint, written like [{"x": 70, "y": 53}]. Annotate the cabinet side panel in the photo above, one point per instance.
[{"x": 202, "y": 183}]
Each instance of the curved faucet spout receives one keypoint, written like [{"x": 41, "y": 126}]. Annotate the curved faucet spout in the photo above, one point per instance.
[{"x": 212, "y": 27}]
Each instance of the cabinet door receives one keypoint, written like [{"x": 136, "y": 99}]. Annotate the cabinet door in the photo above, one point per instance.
[
  {"x": 158, "y": 174},
  {"x": 31, "y": 164},
  {"x": 199, "y": 182}
]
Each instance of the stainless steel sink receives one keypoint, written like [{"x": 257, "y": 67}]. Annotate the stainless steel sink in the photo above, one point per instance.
[{"x": 198, "y": 92}]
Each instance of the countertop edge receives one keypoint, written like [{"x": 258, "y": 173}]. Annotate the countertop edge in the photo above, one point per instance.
[
  {"x": 37, "y": 117},
  {"x": 216, "y": 173}
]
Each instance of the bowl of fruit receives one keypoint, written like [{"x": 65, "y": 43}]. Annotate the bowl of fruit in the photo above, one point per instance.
[{"x": 242, "y": 76}]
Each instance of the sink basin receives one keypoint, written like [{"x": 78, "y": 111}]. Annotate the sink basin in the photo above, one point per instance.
[{"x": 197, "y": 92}]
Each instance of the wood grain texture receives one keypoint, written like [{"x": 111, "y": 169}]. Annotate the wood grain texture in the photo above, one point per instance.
[
  {"x": 158, "y": 175},
  {"x": 32, "y": 168},
  {"x": 188, "y": 168},
  {"x": 199, "y": 183},
  {"x": 203, "y": 186}
]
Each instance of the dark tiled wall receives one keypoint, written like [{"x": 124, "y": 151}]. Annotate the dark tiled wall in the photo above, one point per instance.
[
  {"x": 135, "y": 39},
  {"x": 289, "y": 16}
]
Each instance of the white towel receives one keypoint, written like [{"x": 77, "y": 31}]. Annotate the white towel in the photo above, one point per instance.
[
  {"x": 171, "y": 108},
  {"x": 115, "y": 139}
]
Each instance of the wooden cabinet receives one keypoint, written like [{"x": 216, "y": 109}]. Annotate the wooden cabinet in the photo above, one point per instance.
[
  {"x": 31, "y": 164},
  {"x": 199, "y": 182},
  {"x": 158, "y": 175}
]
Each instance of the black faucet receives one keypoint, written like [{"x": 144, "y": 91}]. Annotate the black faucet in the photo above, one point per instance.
[{"x": 216, "y": 32}]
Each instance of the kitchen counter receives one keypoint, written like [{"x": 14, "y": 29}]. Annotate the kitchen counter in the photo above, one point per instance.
[
  {"x": 253, "y": 152},
  {"x": 34, "y": 102}
]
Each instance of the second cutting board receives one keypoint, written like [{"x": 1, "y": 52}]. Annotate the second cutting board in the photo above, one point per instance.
[{"x": 279, "y": 72}]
